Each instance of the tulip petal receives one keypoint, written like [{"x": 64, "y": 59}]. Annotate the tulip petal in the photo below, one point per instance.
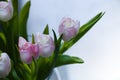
[{"x": 21, "y": 42}]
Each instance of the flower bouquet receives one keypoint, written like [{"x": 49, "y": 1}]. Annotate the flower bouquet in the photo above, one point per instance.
[{"x": 23, "y": 59}]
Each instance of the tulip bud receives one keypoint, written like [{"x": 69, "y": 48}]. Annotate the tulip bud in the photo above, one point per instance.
[
  {"x": 27, "y": 50},
  {"x": 69, "y": 28},
  {"x": 46, "y": 44},
  {"x": 6, "y": 10},
  {"x": 5, "y": 65}
]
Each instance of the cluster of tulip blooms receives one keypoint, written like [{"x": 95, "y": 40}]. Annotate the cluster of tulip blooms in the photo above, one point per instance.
[{"x": 21, "y": 59}]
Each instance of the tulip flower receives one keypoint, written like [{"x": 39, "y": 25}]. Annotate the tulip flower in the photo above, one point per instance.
[
  {"x": 69, "y": 28},
  {"x": 6, "y": 10},
  {"x": 46, "y": 44},
  {"x": 27, "y": 50},
  {"x": 5, "y": 65}
]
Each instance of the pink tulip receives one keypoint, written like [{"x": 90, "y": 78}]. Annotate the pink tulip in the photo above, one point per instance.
[
  {"x": 27, "y": 50},
  {"x": 5, "y": 65},
  {"x": 69, "y": 28},
  {"x": 6, "y": 10},
  {"x": 46, "y": 44}
]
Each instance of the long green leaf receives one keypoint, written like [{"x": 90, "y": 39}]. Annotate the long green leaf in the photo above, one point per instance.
[
  {"x": 14, "y": 21},
  {"x": 57, "y": 43},
  {"x": 14, "y": 27},
  {"x": 24, "y": 14},
  {"x": 82, "y": 31},
  {"x": 65, "y": 60},
  {"x": 15, "y": 6}
]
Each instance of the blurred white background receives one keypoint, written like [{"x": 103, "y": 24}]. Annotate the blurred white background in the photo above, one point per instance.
[{"x": 99, "y": 48}]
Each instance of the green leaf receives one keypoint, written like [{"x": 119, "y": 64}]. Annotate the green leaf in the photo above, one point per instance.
[
  {"x": 65, "y": 60},
  {"x": 15, "y": 6},
  {"x": 2, "y": 36},
  {"x": 14, "y": 28},
  {"x": 13, "y": 23},
  {"x": 2, "y": 41},
  {"x": 46, "y": 30},
  {"x": 33, "y": 39},
  {"x": 82, "y": 31},
  {"x": 43, "y": 68},
  {"x": 24, "y": 14},
  {"x": 55, "y": 37},
  {"x": 16, "y": 77},
  {"x": 57, "y": 47}
]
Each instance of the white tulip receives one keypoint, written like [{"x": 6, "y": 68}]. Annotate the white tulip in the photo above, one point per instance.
[
  {"x": 69, "y": 28},
  {"x": 5, "y": 65},
  {"x": 46, "y": 44},
  {"x": 6, "y": 10}
]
